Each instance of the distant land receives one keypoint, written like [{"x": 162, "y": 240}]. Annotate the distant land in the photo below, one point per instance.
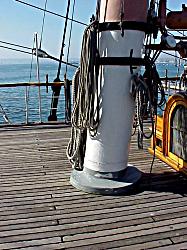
[
  {"x": 28, "y": 60},
  {"x": 162, "y": 59}
]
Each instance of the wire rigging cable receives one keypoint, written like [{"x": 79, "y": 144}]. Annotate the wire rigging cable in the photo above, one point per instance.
[
  {"x": 98, "y": 9},
  {"x": 175, "y": 56},
  {"x": 18, "y": 50},
  {"x": 27, "y": 88},
  {"x": 70, "y": 34},
  {"x": 67, "y": 91},
  {"x": 106, "y": 5},
  {"x": 63, "y": 41},
  {"x": 56, "y": 89},
  {"x": 50, "y": 12},
  {"x": 43, "y": 22},
  {"x": 16, "y": 45},
  {"x": 32, "y": 53}
]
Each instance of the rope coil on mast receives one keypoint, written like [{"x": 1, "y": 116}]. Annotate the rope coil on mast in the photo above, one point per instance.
[
  {"x": 85, "y": 115},
  {"x": 88, "y": 84}
]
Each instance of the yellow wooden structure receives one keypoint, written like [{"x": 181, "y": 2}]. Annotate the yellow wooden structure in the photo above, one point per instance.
[{"x": 170, "y": 141}]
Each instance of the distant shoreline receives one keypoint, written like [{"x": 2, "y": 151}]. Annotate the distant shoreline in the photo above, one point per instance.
[{"x": 5, "y": 61}]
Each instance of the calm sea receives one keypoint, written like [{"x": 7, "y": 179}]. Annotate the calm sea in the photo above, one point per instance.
[{"x": 12, "y": 100}]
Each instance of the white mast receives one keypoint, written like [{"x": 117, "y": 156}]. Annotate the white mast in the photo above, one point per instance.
[{"x": 106, "y": 167}]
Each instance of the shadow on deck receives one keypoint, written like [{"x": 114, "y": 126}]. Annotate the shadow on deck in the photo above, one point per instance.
[{"x": 164, "y": 182}]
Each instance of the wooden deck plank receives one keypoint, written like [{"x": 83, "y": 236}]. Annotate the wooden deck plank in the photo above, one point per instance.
[
  {"x": 50, "y": 214},
  {"x": 34, "y": 212},
  {"x": 130, "y": 243},
  {"x": 122, "y": 233},
  {"x": 146, "y": 245},
  {"x": 179, "y": 238},
  {"x": 39, "y": 209},
  {"x": 26, "y": 244},
  {"x": 182, "y": 246}
]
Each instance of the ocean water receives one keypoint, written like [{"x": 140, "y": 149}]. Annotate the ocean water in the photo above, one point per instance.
[{"x": 12, "y": 100}]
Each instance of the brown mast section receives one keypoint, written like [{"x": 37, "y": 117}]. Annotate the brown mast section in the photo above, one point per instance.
[{"x": 111, "y": 11}]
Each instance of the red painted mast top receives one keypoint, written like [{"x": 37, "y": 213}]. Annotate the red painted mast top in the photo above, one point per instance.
[{"x": 123, "y": 10}]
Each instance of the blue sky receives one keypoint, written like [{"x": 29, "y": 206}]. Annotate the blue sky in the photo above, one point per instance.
[{"x": 19, "y": 22}]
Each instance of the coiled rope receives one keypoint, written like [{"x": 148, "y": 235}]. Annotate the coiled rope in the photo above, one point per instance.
[
  {"x": 145, "y": 91},
  {"x": 85, "y": 115}
]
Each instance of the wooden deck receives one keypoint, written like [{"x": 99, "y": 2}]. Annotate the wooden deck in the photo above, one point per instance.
[{"x": 39, "y": 209}]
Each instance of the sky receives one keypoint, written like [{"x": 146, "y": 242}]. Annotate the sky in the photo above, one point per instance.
[{"x": 18, "y": 23}]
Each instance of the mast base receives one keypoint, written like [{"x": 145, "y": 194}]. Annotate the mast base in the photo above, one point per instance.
[
  {"x": 106, "y": 183},
  {"x": 52, "y": 118}
]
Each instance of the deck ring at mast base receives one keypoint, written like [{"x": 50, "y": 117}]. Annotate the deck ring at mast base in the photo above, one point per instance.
[{"x": 98, "y": 183}]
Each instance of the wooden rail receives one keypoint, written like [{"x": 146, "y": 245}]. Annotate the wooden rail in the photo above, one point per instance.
[{"x": 27, "y": 84}]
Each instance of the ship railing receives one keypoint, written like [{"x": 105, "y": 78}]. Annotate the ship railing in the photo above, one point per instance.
[
  {"x": 173, "y": 84},
  {"x": 29, "y": 103},
  {"x": 21, "y": 103}
]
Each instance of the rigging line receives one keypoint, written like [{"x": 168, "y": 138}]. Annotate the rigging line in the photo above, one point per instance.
[
  {"x": 30, "y": 53},
  {"x": 18, "y": 50},
  {"x": 105, "y": 9},
  {"x": 43, "y": 22},
  {"x": 38, "y": 77},
  {"x": 181, "y": 37},
  {"x": 63, "y": 41},
  {"x": 16, "y": 45},
  {"x": 98, "y": 9},
  {"x": 27, "y": 89},
  {"x": 173, "y": 56},
  {"x": 31, "y": 66},
  {"x": 180, "y": 32},
  {"x": 50, "y": 12},
  {"x": 70, "y": 34},
  {"x": 58, "y": 60}
]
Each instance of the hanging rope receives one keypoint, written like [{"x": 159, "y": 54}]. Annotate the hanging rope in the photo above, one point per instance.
[
  {"x": 145, "y": 91},
  {"x": 141, "y": 93},
  {"x": 88, "y": 84},
  {"x": 85, "y": 115}
]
